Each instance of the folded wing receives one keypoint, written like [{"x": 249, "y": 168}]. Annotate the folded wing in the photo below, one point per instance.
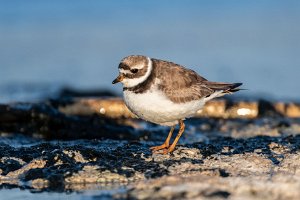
[{"x": 183, "y": 85}]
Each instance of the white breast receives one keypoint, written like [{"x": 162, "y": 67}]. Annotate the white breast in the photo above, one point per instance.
[{"x": 155, "y": 107}]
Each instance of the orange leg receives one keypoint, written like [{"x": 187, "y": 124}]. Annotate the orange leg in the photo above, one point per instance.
[
  {"x": 181, "y": 130},
  {"x": 166, "y": 143}
]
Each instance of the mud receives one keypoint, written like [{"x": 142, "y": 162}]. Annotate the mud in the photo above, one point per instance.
[{"x": 43, "y": 149}]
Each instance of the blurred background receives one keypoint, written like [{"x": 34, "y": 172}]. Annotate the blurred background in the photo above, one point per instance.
[{"x": 47, "y": 45}]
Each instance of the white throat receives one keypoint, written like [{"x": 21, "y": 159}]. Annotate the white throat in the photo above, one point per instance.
[{"x": 131, "y": 82}]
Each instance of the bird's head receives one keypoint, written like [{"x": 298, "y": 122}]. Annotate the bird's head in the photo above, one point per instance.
[{"x": 133, "y": 70}]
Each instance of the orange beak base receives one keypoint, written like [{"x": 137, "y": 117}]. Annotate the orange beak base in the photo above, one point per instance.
[{"x": 118, "y": 79}]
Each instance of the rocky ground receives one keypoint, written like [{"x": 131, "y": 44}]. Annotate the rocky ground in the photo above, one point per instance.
[{"x": 44, "y": 149}]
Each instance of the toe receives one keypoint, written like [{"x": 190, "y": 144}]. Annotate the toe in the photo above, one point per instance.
[{"x": 156, "y": 148}]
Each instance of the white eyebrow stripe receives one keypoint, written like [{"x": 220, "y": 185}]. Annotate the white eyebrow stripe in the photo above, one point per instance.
[
  {"x": 141, "y": 66},
  {"x": 124, "y": 71},
  {"x": 127, "y": 71}
]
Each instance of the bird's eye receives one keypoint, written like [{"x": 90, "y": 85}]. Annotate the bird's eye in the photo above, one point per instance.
[{"x": 134, "y": 71}]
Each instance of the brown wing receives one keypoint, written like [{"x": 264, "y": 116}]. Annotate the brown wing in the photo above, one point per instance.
[
  {"x": 180, "y": 84},
  {"x": 183, "y": 85}
]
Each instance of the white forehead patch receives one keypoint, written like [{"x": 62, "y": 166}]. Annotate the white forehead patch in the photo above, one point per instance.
[{"x": 131, "y": 82}]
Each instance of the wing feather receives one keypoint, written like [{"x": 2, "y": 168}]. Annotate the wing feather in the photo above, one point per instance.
[{"x": 182, "y": 85}]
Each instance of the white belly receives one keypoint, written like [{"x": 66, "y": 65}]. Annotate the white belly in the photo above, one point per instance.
[{"x": 154, "y": 106}]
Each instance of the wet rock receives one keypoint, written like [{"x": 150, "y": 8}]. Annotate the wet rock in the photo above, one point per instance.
[
  {"x": 199, "y": 186},
  {"x": 9, "y": 164},
  {"x": 43, "y": 148},
  {"x": 220, "y": 165},
  {"x": 44, "y": 121}
]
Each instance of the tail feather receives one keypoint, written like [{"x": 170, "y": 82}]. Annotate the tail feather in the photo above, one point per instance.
[{"x": 226, "y": 87}]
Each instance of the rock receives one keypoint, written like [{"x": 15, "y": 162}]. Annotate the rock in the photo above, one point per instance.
[{"x": 44, "y": 148}]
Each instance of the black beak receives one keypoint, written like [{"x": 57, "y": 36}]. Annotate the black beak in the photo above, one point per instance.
[{"x": 118, "y": 79}]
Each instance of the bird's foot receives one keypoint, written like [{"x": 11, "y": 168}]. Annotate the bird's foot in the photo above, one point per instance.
[
  {"x": 166, "y": 149},
  {"x": 164, "y": 146},
  {"x": 169, "y": 150}
]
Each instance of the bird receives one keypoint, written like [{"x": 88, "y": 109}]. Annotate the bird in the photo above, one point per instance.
[{"x": 166, "y": 93}]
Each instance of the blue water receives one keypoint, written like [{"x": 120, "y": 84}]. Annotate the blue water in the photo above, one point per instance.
[{"x": 80, "y": 43}]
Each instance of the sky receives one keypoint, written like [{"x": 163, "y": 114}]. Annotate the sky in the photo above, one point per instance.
[{"x": 80, "y": 43}]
